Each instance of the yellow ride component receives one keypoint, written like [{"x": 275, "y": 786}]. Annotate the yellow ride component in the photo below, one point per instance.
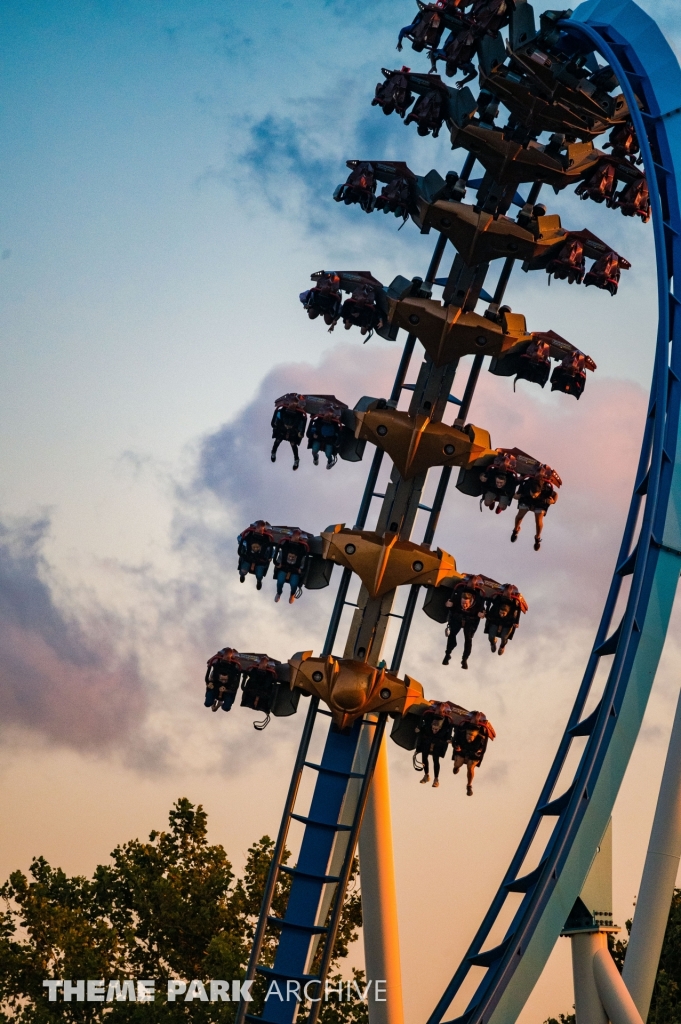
[
  {"x": 415, "y": 444},
  {"x": 511, "y": 162},
  {"x": 480, "y": 237},
  {"x": 447, "y": 332},
  {"x": 383, "y": 563},
  {"x": 350, "y": 688}
]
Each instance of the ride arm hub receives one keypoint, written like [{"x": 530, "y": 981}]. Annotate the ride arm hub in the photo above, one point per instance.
[
  {"x": 351, "y": 688},
  {"x": 416, "y": 444},
  {"x": 383, "y": 562},
  {"x": 448, "y": 333}
]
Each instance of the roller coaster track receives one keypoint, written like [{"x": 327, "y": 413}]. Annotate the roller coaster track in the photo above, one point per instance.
[{"x": 650, "y": 553}]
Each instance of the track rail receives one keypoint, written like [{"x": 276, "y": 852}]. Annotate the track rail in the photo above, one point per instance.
[{"x": 650, "y": 552}]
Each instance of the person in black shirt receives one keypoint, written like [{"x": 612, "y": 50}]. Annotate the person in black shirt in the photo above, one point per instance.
[
  {"x": 324, "y": 299},
  {"x": 433, "y": 736},
  {"x": 536, "y": 495},
  {"x": 469, "y": 744},
  {"x": 291, "y": 565},
  {"x": 288, "y": 424},
  {"x": 223, "y": 676},
  {"x": 259, "y": 687},
  {"x": 499, "y": 488},
  {"x": 256, "y": 550},
  {"x": 324, "y": 433},
  {"x": 467, "y": 607},
  {"x": 502, "y": 617}
]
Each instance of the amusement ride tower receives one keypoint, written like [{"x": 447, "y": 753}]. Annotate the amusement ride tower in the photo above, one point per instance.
[{"x": 544, "y": 97}]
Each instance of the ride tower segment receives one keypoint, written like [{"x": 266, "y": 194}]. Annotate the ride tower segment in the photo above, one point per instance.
[{"x": 548, "y": 78}]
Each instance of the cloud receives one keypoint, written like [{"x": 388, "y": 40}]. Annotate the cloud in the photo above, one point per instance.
[
  {"x": 293, "y": 161},
  {"x": 294, "y": 172},
  {"x": 65, "y": 671},
  {"x": 233, "y": 462},
  {"x": 594, "y": 446},
  {"x": 592, "y": 443},
  {"x": 62, "y": 675}
]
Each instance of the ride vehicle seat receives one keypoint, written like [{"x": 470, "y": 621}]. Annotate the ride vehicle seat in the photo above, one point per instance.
[
  {"x": 259, "y": 687},
  {"x": 570, "y": 375},
  {"x": 324, "y": 299}
]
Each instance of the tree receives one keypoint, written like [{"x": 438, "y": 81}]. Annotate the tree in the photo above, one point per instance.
[
  {"x": 665, "y": 1006},
  {"x": 170, "y": 908}
]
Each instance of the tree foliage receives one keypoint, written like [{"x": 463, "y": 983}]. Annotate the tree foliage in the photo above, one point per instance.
[
  {"x": 167, "y": 908},
  {"x": 665, "y": 1007}
]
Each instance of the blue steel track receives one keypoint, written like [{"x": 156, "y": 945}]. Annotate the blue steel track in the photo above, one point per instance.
[{"x": 650, "y": 553}]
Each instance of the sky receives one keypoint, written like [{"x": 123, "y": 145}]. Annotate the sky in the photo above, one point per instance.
[{"x": 168, "y": 170}]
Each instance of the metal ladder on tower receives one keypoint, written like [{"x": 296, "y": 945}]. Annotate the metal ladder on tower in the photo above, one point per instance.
[{"x": 323, "y": 829}]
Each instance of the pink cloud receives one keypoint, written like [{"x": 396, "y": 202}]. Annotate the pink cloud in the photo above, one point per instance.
[
  {"x": 60, "y": 676},
  {"x": 593, "y": 444}
]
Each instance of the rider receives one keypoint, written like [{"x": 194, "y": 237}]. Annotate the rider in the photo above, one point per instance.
[
  {"x": 360, "y": 309},
  {"x": 291, "y": 564},
  {"x": 428, "y": 112},
  {"x": 605, "y": 272},
  {"x": 433, "y": 735},
  {"x": 570, "y": 374},
  {"x": 259, "y": 686},
  {"x": 324, "y": 299},
  {"x": 535, "y": 494},
  {"x": 535, "y": 362},
  {"x": 359, "y": 188},
  {"x": 256, "y": 549},
  {"x": 469, "y": 744},
  {"x": 325, "y": 432},
  {"x": 569, "y": 263},
  {"x": 425, "y": 30},
  {"x": 467, "y": 607},
  {"x": 394, "y": 94},
  {"x": 503, "y": 616},
  {"x": 499, "y": 481},
  {"x": 223, "y": 676},
  {"x": 288, "y": 424}
]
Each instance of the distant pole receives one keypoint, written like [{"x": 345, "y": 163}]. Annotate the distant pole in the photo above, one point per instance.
[
  {"x": 658, "y": 880},
  {"x": 379, "y": 899},
  {"x": 588, "y": 925},
  {"x": 588, "y": 1005},
  {"x": 613, "y": 992}
]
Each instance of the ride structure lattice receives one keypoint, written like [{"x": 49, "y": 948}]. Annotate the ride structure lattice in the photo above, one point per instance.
[{"x": 551, "y": 82}]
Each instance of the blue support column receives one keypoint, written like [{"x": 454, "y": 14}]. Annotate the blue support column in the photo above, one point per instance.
[{"x": 299, "y": 922}]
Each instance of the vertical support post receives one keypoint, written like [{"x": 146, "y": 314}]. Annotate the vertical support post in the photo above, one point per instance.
[
  {"x": 471, "y": 384},
  {"x": 279, "y": 847},
  {"x": 588, "y": 1005},
  {"x": 614, "y": 994},
  {"x": 588, "y": 925},
  {"x": 379, "y": 902},
  {"x": 657, "y": 883}
]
